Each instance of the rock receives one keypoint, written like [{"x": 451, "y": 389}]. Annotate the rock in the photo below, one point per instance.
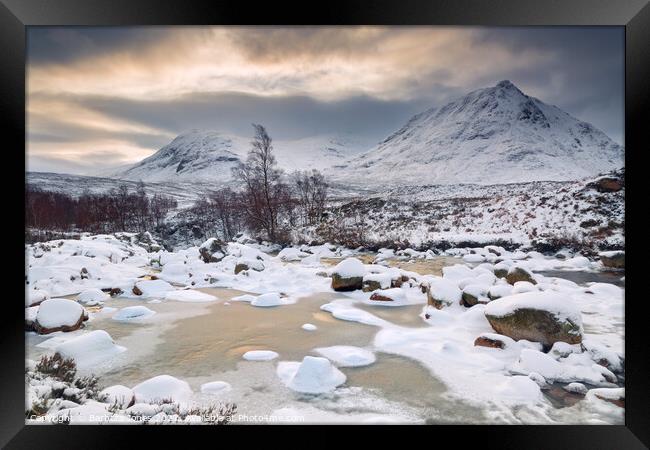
[
  {"x": 544, "y": 317},
  {"x": 380, "y": 298},
  {"x": 371, "y": 285},
  {"x": 607, "y": 184},
  {"x": 212, "y": 250},
  {"x": 474, "y": 294},
  {"x": 348, "y": 275},
  {"x": 136, "y": 290},
  {"x": 240, "y": 268},
  {"x": 614, "y": 259},
  {"x": 519, "y": 274},
  {"x": 57, "y": 314},
  {"x": 114, "y": 292},
  {"x": 483, "y": 341},
  {"x": 563, "y": 397},
  {"x": 607, "y": 395},
  {"x": 500, "y": 270}
]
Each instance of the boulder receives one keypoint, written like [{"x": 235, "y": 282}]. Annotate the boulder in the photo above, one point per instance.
[
  {"x": 544, "y": 317},
  {"x": 380, "y": 298},
  {"x": 519, "y": 274},
  {"x": 58, "y": 314},
  {"x": 212, "y": 250},
  {"x": 614, "y": 259},
  {"x": 348, "y": 275}
]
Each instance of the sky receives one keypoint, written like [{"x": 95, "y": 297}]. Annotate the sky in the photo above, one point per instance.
[{"x": 110, "y": 96}]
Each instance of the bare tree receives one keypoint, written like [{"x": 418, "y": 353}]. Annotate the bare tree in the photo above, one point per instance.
[
  {"x": 311, "y": 188},
  {"x": 264, "y": 193}
]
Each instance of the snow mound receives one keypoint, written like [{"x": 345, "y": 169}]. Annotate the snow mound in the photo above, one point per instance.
[
  {"x": 35, "y": 296},
  {"x": 309, "y": 327},
  {"x": 162, "y": 387},
  {"x": 133, "y": 313},
  {"x": 58, "y": 312},
  {"x": 215, "y": 387},
  {"x": 190, "y": 295},
  {"x": 260, "y": 355},
  {"x": 314, "y": 375},
  {"x": 92, "y": 297},
  {"x": 154, "y": 288},
  {"x": 347, "y": 356},
  {"x": 118, "y": 395},
  {"x": 90, "y": 349},
  {"x": 271, "y": 299}
]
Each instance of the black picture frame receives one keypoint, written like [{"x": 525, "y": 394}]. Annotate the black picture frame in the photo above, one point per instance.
[{"x": 16, "y": 15}]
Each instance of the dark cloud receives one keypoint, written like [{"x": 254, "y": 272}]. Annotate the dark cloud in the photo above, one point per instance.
[
  {"x": 286, "y": 117},
  {"x": 62, "y": 45}
]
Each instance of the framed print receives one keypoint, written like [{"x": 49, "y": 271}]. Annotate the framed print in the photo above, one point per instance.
[{"x": 382, "y": 213}]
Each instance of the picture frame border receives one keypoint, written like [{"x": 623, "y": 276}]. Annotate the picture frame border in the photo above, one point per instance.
[{"x": 17, "y": 15}]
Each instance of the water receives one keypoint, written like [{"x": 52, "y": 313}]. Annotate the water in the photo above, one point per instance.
[
  {"x": 202, "y": 342},
  {"x": 583, "y": 277}
]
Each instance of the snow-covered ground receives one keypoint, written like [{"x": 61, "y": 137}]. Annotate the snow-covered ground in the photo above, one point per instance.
[{"x": 284, "y": 371}]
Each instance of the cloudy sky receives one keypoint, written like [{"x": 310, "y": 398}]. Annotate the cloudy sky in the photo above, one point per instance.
[{"x": 102, "y": 97}]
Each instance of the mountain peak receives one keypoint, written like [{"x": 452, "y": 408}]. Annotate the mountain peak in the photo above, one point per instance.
[{"x": 506, "y": 84}]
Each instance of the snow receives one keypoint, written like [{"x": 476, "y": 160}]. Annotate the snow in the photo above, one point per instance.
[
  {"x": 57, "y": 312},
  {"x": 35, "y": 296},
  {"x": 554, "y": 370},
  {"x": 130, "y": 313},
  {"x": 309, "y": 327},
  {"x": 553, "y": 302},
  {"x": 314, "y": 375},
  {"x": 289, "y": 254},
  {"x": 350, "y": 268},
  {"x": 523, "y": 286},
  {"x": 260, "y": 355},
  {"x": 347, "y": 356},
  {"x": 189, "y": 295},
  {"x": 117, "y": 395},
  {"x": 92, "y": 297},
  {"x": 215, "y": 387},
  {"x": 162, "y": 387},
  {"x": 154, "y": 288},
  {"x": 90, "y": 349},
  {"x": 271, "y": 299}
]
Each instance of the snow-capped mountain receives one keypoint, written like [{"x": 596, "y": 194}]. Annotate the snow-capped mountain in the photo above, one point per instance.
[
  {"x": 202, "y": 155},
  {"x": 193, "y": 156},
  {"x": 492, "y": 135}
]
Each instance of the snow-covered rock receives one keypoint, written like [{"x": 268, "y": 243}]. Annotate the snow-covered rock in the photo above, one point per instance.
[
  {"x": 162, "y": 387},
  {"x": 58, "y": 314},
  {"x": 314, "y": 375},
  {"x": 309, "y": 327},
  {"x": 348, "y": 275},
  {"x": 92, "y": 297},
  {"x": 152, "y": 288},
  {"x": 545, "y": 317},
  {"x": 90, "y": 349}
]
